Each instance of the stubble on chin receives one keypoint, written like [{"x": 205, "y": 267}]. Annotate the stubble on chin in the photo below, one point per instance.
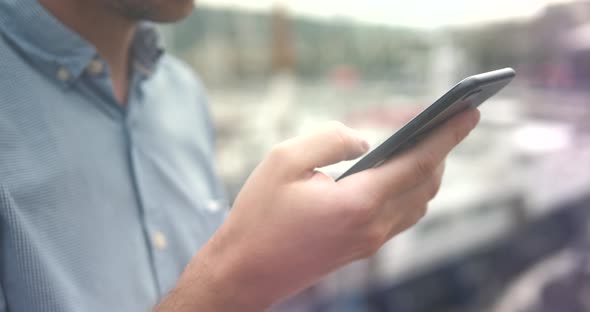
[{"x": 135, "y": 10}]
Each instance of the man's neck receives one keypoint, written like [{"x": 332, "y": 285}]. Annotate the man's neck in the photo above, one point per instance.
[{"x": 111, "y": 34}]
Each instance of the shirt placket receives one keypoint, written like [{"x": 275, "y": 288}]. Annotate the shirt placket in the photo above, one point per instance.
[{"x": 155, "y": 238}]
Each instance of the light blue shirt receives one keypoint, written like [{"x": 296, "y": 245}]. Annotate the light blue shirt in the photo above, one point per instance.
[{"x": 101, "y": 207}]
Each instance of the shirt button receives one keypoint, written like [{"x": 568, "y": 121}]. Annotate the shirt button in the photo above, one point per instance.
[
  {"x": 95, "y": 67},
  {"x": 159, "y": 240},
  {"x": 214, "y": 206},
  {"x": 63, "y": 74}
]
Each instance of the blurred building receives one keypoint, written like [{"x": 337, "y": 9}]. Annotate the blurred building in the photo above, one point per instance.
[{"x": 507, "y": 198}]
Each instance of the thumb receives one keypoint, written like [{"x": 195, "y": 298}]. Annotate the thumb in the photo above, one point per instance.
[{"x": 331, "y": 144}]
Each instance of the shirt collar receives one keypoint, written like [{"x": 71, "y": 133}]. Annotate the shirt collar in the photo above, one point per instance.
[
  {"x": 146, "y": 48},
  {"x": 57, "y": 50}
]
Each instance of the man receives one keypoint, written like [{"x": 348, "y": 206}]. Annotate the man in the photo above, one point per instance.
[{"x": 107, "y": 190}]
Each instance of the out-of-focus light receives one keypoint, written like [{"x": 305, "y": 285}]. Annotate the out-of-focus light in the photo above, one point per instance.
[
  {"x": 578, "y": 39},
  {"x": 540, "y": 137},
  {"x": 412, "y": 13}
]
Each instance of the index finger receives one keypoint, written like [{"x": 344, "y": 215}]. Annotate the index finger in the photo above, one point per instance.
[{"x": 420, "y": 162}]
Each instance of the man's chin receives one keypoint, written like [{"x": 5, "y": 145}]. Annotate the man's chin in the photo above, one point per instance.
[
  {"x": 160, "y": 11},
  {"x": 169, "y": 11}
]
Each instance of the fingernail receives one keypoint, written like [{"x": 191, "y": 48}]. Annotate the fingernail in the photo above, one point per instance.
[{"x": 366, "y": 145}]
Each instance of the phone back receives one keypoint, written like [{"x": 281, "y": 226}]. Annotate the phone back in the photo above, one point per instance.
[{"x": 470, "y": 92}]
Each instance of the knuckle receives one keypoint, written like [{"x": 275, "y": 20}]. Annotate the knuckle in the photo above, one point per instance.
[
  {"x": 281, "y": 154},
  {"x": 433, "y": 188},
  {"x": 457, "y": 136},
  {"x": 340, "y": 135},
  {"x": 372, "y": 204},
  {"x": 424, "y": 166},
  {"x": 375, "y": 239},
  {"x": 362, "y": 213},
  {"x": 421, "y": 213}
]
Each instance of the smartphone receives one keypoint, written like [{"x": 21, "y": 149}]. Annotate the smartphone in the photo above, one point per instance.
[{"x": 470, "y": 92}]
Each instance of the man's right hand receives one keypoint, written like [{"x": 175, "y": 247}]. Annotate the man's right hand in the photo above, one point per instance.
[{"x": 291, "y": 225}]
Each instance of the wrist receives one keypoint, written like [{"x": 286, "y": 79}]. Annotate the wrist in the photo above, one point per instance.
[{"x": 214, "y": 281}]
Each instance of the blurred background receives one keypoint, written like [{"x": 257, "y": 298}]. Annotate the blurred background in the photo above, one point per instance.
[{"x": 508, "y": 231}]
